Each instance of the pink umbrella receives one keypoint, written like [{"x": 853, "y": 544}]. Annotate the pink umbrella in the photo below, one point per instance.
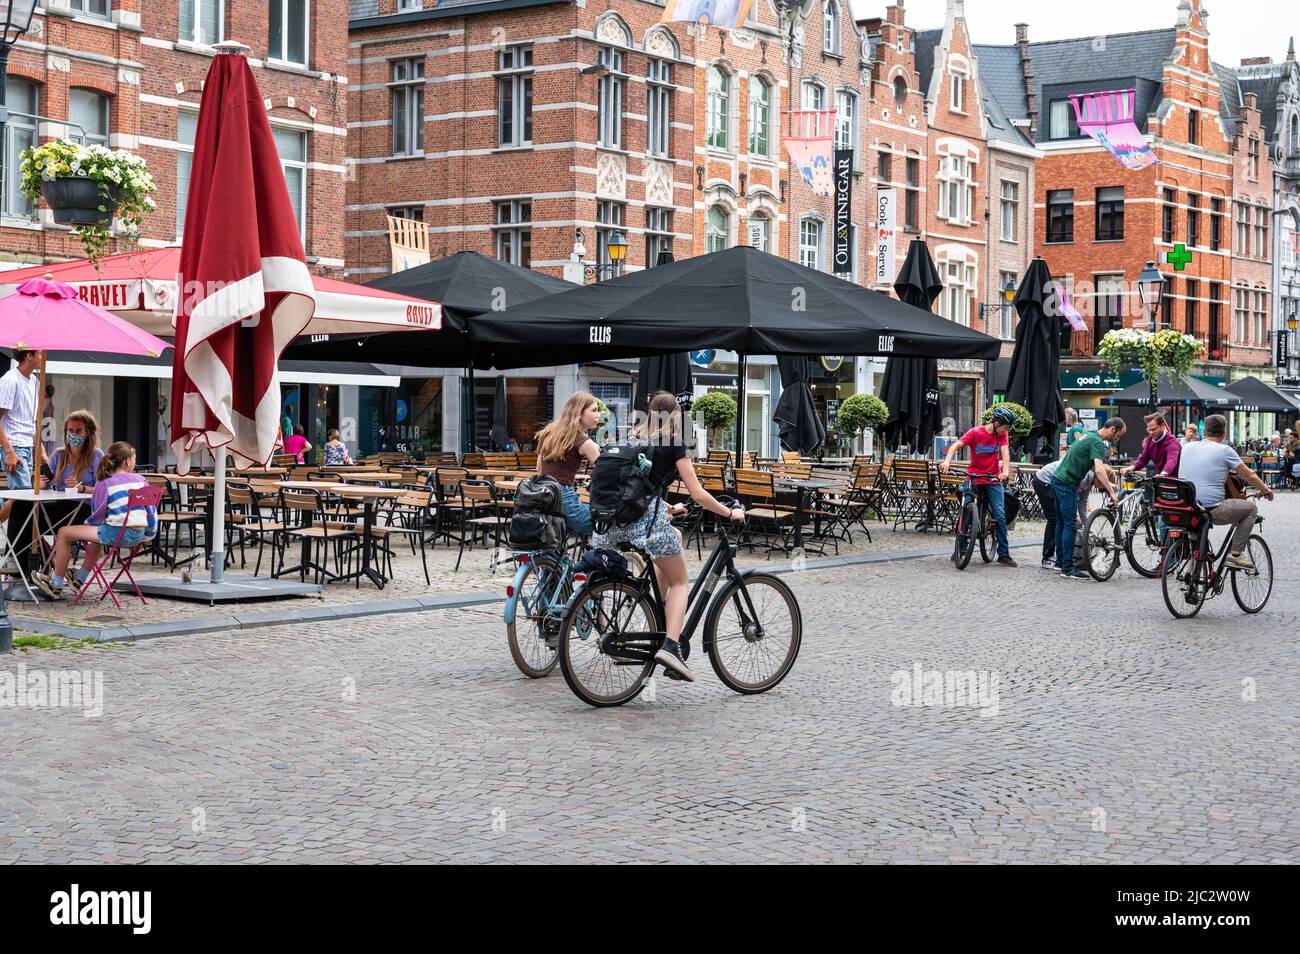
[{"x": 45, "y": 315}]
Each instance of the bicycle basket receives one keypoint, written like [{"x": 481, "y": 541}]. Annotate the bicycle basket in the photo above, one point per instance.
[{"x": 1176, "y": 501}]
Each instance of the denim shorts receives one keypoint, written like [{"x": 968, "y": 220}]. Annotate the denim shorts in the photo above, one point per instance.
[
  {"x": 20, "y": 478},
  {"x": 133, "y": 536},
  {"x": 576, "y": 513}
]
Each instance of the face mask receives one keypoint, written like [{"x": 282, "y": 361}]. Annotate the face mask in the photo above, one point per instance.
[{"x": 76, "y": 440}]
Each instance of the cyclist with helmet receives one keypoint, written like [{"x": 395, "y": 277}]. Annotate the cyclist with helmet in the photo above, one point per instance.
[{"x": 990, "y": 465}]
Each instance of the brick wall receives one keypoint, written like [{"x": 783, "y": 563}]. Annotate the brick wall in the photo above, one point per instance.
[{"x": 1252, "y": 267}]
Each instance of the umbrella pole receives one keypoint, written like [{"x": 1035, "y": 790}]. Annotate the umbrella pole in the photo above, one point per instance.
[
  {"x": 219, "y": 517},
  {"x": 740, "y": 411},
  {"x": 473, "y": 409},
  {"x": 38, "y": 453}
]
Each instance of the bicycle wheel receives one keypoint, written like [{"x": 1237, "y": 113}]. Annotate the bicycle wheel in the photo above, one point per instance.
[
  {"x": 1182, "y": 580},
  {"x": 540, "y": 587},
  {"x": 1252, "y": 588},
  {"x": 752, "y": 653},
  {"x": 609, "y": 616},
  {"x": 1100, "y": 549},
  {"x": 965, "y": 543},
  {"x": 987, "y": 547},
  {"x": 1142, "y": 547}
]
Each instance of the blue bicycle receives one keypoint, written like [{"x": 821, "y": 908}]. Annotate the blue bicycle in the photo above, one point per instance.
[{"x": 535, "y": 602}]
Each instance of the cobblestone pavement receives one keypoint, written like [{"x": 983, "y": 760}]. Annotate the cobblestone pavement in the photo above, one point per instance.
[{"x": 1120, "y": 735}]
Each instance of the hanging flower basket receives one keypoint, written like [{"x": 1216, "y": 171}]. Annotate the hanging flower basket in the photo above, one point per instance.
[
  {"x": 1168, "y": 349},
  {"x": 87, "y": 187}
]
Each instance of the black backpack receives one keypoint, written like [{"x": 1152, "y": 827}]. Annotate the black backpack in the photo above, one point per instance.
[
  {"x": 621, "y": 489},
  {"x": 538, "y": 521}
]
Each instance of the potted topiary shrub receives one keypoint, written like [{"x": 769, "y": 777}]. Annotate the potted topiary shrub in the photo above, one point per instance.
[
  {"x": 715, "y": 411},
  {"x": 861, "y": 412},
  {"x": 86, "y": 187},
  {"x": 1020, "y": 430}
]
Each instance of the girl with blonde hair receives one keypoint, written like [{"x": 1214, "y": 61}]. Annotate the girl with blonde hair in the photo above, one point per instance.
[
  {"x": 74, "y": 464},
  {"x": 562, "y": 445}
]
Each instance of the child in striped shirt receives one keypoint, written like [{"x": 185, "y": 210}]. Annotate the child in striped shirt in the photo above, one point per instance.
[{"x": 110, "y": 514}]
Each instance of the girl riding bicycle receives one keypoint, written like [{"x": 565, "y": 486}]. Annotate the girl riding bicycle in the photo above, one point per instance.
[
  {"x": 561, "y": 447},
  {"x": 654, "y": 532}
]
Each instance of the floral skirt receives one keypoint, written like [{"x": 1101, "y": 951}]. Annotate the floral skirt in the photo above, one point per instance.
[{"x": 653, "y": 533}]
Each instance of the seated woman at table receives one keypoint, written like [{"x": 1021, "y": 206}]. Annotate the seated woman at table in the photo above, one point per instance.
[
  {"x": 336, "y": 452},
  {"x": 296, "y": 444},
  {"x": 561, "y": 447},
  {"x": 110, "y": 513},
  {"x": 74, "y": 464}
]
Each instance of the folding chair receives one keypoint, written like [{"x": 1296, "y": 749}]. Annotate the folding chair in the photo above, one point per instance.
[{"x": 135, "y": 499}]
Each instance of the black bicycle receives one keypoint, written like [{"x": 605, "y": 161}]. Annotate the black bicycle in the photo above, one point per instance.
[
  {"x": 613, "y": 627},
  {"x": 1131, "y": 527},
  {"x": 975, "y": 523},
  {"x": 1193, "y": 570}
]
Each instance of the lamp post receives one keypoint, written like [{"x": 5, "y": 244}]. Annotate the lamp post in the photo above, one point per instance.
[
  {"x": 15, "y": 20},
  {"x": 615, "y": 248},
  {"x": 1151, "y": 289}
]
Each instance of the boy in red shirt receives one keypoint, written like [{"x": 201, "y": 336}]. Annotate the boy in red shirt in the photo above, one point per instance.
[{"x": 990, "y": 465}]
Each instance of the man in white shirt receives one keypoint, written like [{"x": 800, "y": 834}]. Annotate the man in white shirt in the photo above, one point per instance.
[
  {"x": 18, "y": 404},
  {"x": 1207, "y": 464}
]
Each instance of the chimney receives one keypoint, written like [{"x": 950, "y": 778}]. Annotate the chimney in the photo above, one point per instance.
[
  {"x": 1250, "y": 102},
  {"x": 894, "y": 14},
  {"x": 1027, "y": 67},
  {"x": 956, "y": 8},
  {"x": 1257, "y": 61},
  {"x": 1290, "y": 51}
]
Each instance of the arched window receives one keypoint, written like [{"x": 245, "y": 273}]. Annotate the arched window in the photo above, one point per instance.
[
  {"x": 760, "y": 232},
  {"x": 810, "y": 242},
  {"x": 900, "y": 90},
  {"x": 717, "y": 230},
  {"x": 814, "y": 95},
  {"x": 760, "y": 116},
  {"x": 831, "y": 26},
  {"x": 846, "y": 121},
  {"x": 23, "y": 100},
  {"x": 719, "y": 106},
  {"x": 1294, "y": 136},
  {"x": 88, "y": 117}
]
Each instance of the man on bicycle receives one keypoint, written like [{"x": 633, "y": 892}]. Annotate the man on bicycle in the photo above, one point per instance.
[
  {"x": 990, "y": 465},
  {"x": 1087, "y": 453},
  {"x": 1160, "y": 449},
  {"x": 1206, "y": 464}
]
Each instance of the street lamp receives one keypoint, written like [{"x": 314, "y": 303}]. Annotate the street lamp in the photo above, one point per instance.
[
  {"x": 1151, "y": 289},
  {"x": 15, "y": 20},
  {"x": 615, "y": 248}
]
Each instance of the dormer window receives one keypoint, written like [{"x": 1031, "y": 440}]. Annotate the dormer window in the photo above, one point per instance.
[
  {"x": 958, "y": 92},
  {"x": 831, "y": 27}
]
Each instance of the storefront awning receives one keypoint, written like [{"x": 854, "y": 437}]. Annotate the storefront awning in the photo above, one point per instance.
[{"x": 89, "y": 364}]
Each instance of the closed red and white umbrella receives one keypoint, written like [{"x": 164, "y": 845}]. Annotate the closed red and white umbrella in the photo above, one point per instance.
[{"x": 245, "y": 291}]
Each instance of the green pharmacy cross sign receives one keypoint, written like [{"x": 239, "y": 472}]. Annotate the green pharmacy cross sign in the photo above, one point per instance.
[{"x": 1179, "y": 258}]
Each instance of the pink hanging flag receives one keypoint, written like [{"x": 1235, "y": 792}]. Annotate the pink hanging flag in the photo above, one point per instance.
[
  {"x": 810, "y": 141},
  {"x": 728, "y": 14},
  {"x": 1068, "y": 310},
  {"x": 1109, "y": 118}
]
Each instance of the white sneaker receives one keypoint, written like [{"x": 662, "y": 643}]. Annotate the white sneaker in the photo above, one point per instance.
[{"x": 1239, "y": 561}]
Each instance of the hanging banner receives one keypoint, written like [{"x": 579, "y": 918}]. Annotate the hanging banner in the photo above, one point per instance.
[
  {"x": 1283, "y": 348},
  {"x": 1108, "y": 118},
  {"x": 1068, "y": 310},
  {"x": 810, "y": 142},
  {"x": 728, "y": 14},
  {"x": 886, "y": 232},
  {"x": 409, "y": 241},
  {"x": 842, "y": 249}
]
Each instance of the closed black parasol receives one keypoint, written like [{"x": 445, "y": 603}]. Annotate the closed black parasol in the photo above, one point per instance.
[
  {"x": 910, "y": 386},
  {"x": 1034, "y": 380},
  {"x": 663, "y": 372},
  {"x": 801, "y": 428}
]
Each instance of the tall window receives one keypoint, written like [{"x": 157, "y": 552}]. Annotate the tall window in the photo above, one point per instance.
[
  {"x": 958, "y": 92},
  {"x": 96, "y": 8},
  {"x": 958, "y": 289},
  {"x": 846, "y": 122},
  {"x": 1004, "y": 307},
  {"x": 201, "y": 21},
  {"x": 1061, "y": 123},
  {"x": 1110, "y": 213},
  {"x": 609, "y": 219},
  {"x": 186, "y": 124},
  {"x": 1261, "y": 316},
  {"x": 912, "y": 198},
  {"x": 515, "y": 96},
  {"x": 1215, "y": 331},
  {"x": 956, "y": 189},
  {"x": 1243, "y": 230},
  {"x": 1167, "y": 217},
  {"x": 883, "y": 163},
  {"x": 610, "y": 107},
  {"x": 760, "y": 116},
  {"x": 288, "y": 31},
  {"x": 717, "y": 229},
  {"x": 514, "y": 232},
  {"x": 1060, "y": 215},
  {"x": 1261, "y": 232},
  {"x": 810, "y": 243},
  {"x": 831, "y": 26},
  {"x": 900, "y": 90},
  {"x": 658, "y": 234},
  {"x": 1193, "y": 126},
  {"x": 407, "y": 90},
  {"x": 1216, "y": 224},
  {"x": 88, "y": 116},
  {"x": 292, "y": 147},
  {"x": 1193, "y": 306},
  {"x": 814, "y": 95},
  {"x": 1193, "y": 220},
  {"x": 1252, "y": 158},
  {"x": 719, "y": 106},
  {"x": 760, "y": 232},
  {"x": 1108, "y": 310},
  {"x": 659, "y": 107},
  {"x": 20, "y": 133},
  {"x": 1010, "y": 209}
]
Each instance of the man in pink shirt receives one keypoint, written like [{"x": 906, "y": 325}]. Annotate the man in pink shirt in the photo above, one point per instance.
[{"x": 990, "y": 465}]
